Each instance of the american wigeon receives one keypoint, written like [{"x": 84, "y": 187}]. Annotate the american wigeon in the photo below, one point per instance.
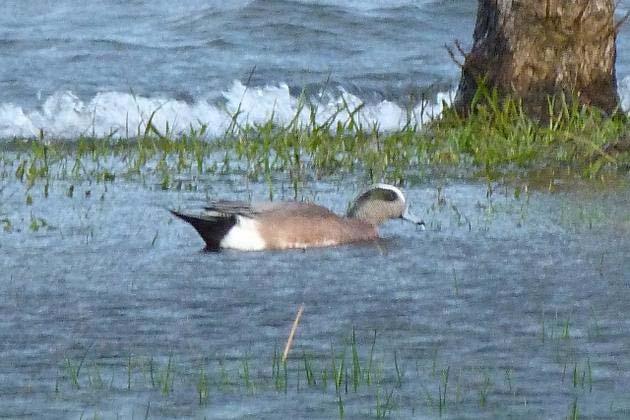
[{"x": 284, "y": 225}]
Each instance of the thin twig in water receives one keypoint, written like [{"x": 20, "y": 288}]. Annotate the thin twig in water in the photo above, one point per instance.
[{"x": 292, "y": 333}]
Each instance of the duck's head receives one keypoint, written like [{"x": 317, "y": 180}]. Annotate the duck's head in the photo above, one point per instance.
[{"x": 380, "y": 203}]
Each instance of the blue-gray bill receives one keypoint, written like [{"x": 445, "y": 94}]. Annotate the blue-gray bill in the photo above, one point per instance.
[{"x": 413, "y": 219}]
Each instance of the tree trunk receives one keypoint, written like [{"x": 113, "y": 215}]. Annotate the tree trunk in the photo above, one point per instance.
[{"x": 533, "y": 49}]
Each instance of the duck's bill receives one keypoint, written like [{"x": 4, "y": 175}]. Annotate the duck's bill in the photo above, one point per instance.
[{"x": 413, "y": 219}]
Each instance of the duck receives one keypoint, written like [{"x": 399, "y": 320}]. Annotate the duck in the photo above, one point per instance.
[{"x": 297, "y": 225}]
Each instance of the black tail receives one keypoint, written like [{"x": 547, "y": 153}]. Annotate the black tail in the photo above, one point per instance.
[{"x": 211, "y": 228}]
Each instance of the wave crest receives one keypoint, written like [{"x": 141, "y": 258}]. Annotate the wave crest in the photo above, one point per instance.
[{"x": 63, "y": 115}]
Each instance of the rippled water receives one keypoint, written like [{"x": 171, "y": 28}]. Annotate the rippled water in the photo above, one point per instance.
[
  {"x": 521, "y": 298},
  {"x": 74, "y": 68},
  {"x": 511, "y": 295}
]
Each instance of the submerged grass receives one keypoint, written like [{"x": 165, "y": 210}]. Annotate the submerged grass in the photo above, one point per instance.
[{"x": 366, "y": 383}]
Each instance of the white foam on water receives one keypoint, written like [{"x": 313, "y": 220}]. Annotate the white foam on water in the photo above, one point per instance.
[
  {"x": 14, "y": 123},
  {"x": 258, "y": 105},
  {"x": 64, "y": 115}
]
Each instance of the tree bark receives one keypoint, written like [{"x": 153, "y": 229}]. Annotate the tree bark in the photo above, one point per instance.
[{"x": 533, "y": 49}]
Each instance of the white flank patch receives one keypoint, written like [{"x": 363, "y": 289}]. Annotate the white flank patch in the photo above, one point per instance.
[{"x": 244, "y": 236}]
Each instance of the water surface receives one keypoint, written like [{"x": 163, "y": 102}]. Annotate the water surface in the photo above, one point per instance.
[
  {"x": 72, "y": 68},
  {"x": 511, "y": 295}
]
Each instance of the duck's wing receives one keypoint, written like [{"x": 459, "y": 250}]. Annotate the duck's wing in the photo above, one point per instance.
[
  {"x": 225, "y": 208},
  {"x": 291, "y": 209},
  {"x": 286, "y": 208}
]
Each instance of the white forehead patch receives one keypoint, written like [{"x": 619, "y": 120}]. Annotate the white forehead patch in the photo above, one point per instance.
[{"x": 391, "y": 188}]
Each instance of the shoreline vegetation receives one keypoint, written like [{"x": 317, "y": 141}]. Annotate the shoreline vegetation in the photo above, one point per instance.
[{"x": 496, "y": 141}]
